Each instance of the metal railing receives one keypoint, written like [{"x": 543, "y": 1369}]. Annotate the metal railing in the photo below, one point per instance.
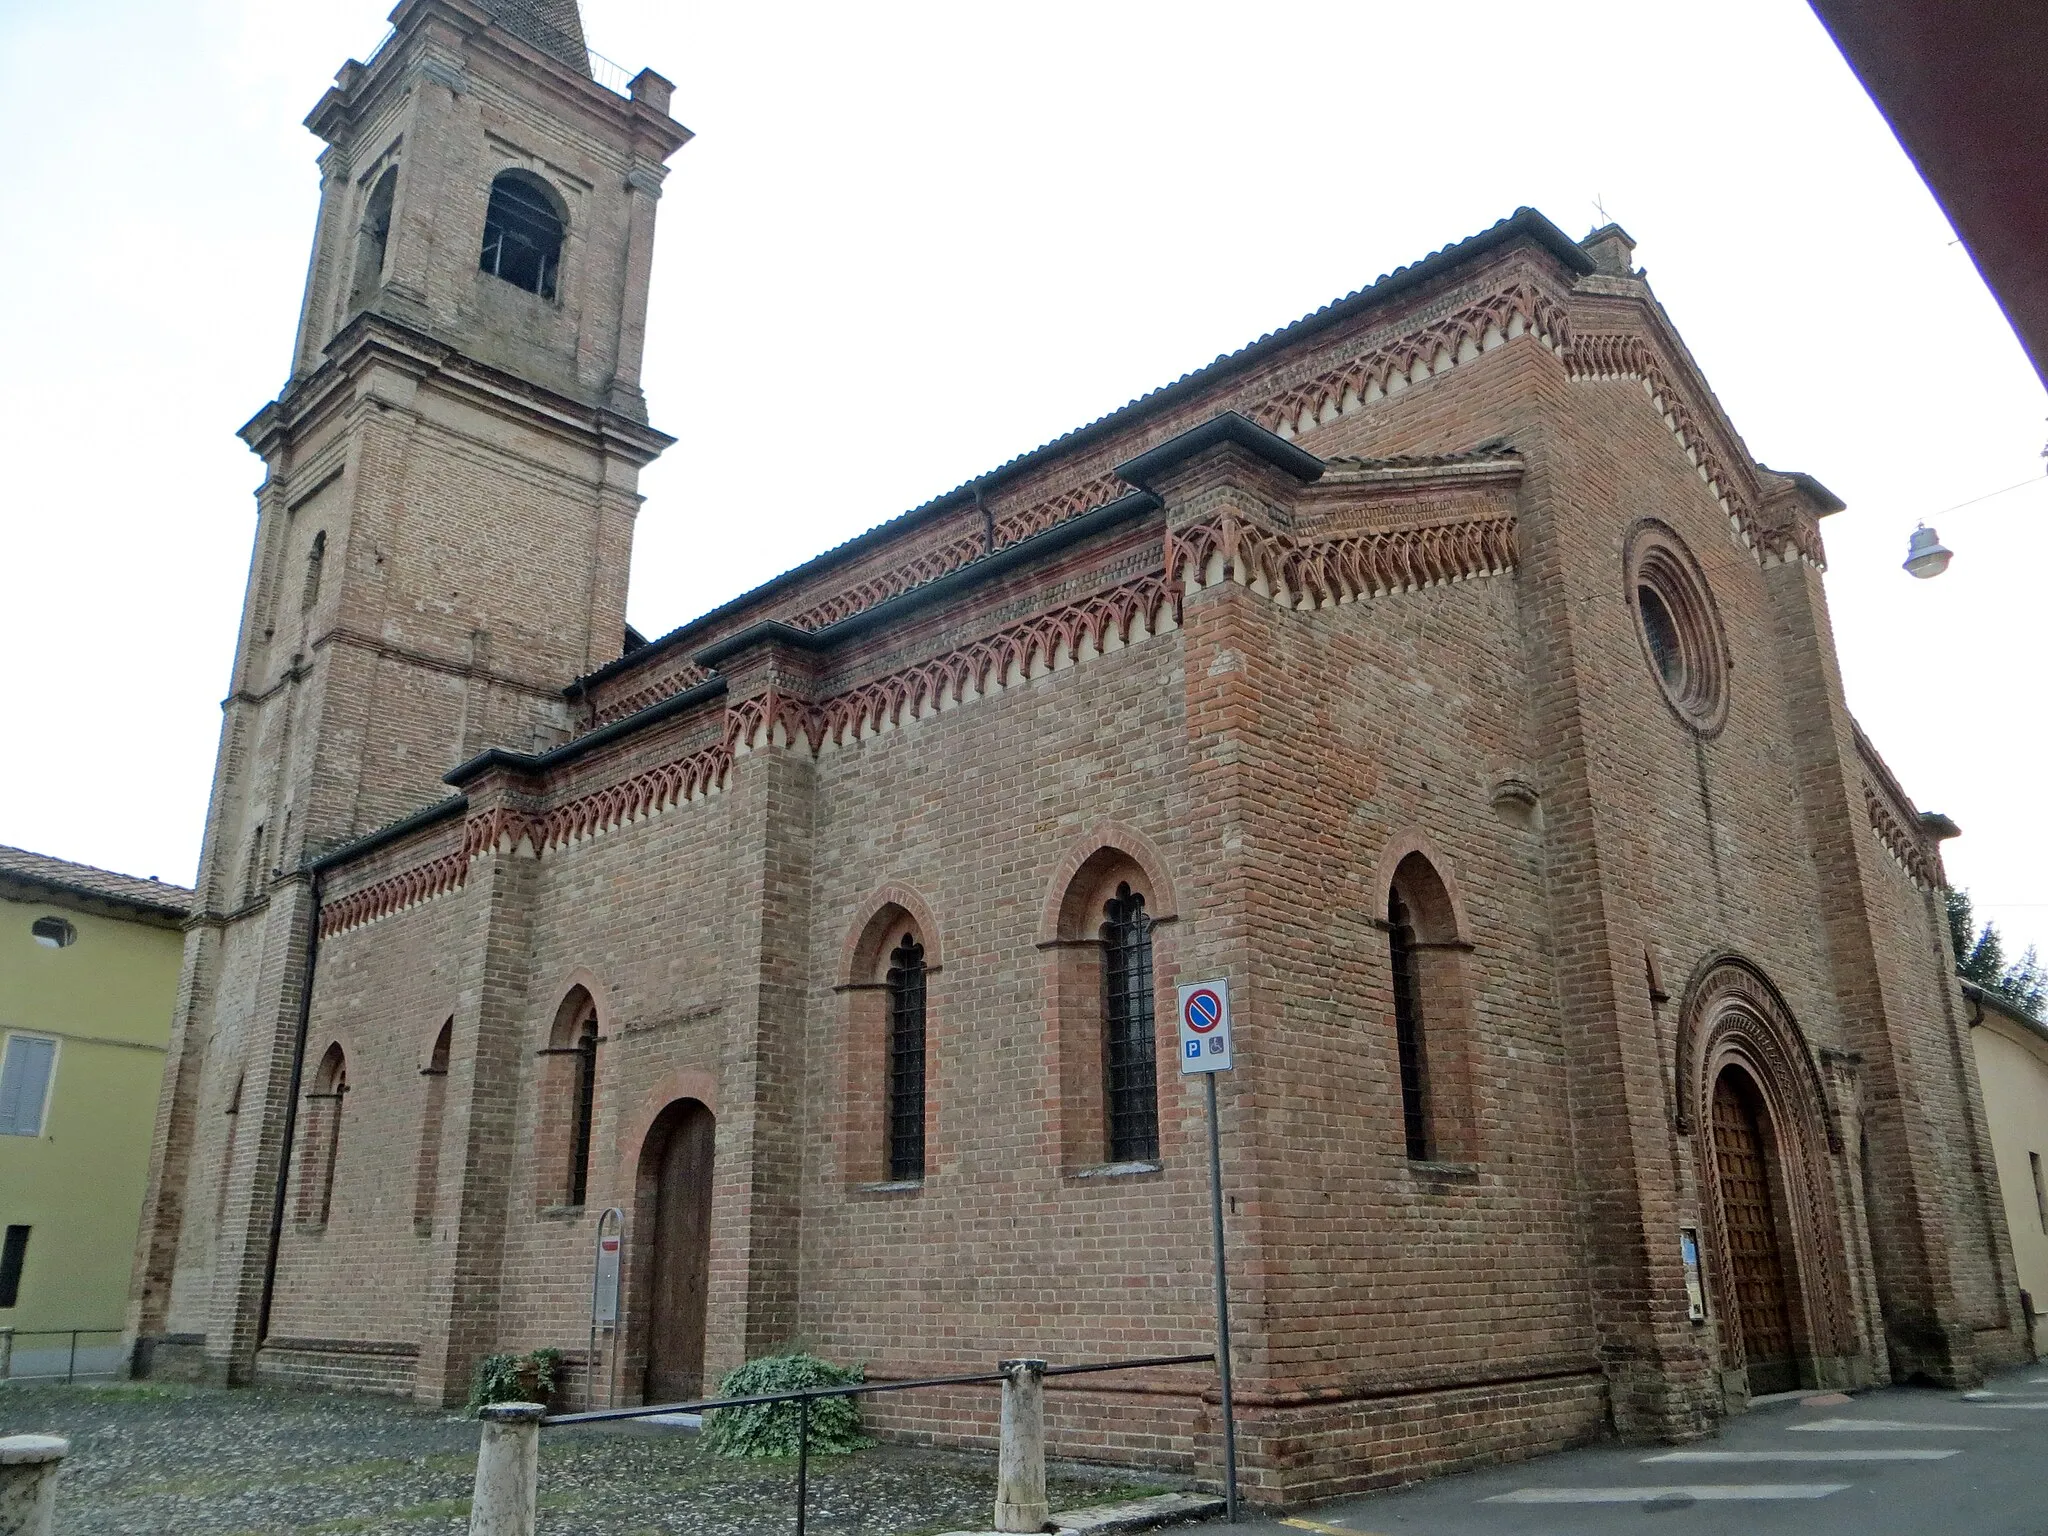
[
  {"x": 805, "y": 1397},
  {"x": 610, "y": 73},
  {"x": 69, "y": 1351}
]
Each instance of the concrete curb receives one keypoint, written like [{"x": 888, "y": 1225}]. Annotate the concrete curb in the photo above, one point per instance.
[{"x": 1133, "y": 1515}]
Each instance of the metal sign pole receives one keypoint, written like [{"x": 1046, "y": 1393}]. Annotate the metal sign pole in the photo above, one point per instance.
[
  {"x": 1205, "y": 1047},
  {"x": 1222, "y": 1305},
  {"x": 604, "y": 1303}
]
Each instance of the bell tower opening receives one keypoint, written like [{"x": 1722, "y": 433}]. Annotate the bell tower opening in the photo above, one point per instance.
[{"x": 523, "y": 231}]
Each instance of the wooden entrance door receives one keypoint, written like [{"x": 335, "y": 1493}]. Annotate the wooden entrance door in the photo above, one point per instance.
[
  {"x": 1751, "y": 1227},
  {"x": 678, "y": 1155}
]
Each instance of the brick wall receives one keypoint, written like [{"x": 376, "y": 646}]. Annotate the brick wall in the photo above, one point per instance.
[{"x": 1179, "y": 702}]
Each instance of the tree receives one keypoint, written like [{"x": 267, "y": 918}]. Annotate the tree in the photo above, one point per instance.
[{"x": 1980, "y": 957}]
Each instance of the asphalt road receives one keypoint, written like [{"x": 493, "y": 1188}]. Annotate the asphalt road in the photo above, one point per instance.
[{"x": 1899, "y": 1461}]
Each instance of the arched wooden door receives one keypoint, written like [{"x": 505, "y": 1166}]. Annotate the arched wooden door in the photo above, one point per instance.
[
  {"x": 1753, "y": 1230},
  {"x": 676, "y": 1160}
]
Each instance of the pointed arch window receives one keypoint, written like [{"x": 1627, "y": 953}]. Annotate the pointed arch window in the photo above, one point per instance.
[
  {"x": 889, "y": 1132},
  {"x": 427, "y": 1173},
  {"x": 373, "y": 237},
  {"x": 585, "y": 1107},
  {"x": 1429, "y": 975},
  {"x": 524, "y": 228},
  {"x": 1130, "y": 1067},
  {"x": 567, "y": 1108},
  {"x": 233, "y": 1116},
  {"x": 321, "y": 1147},
  {"x": 1408, "y": 1031},
  {"x": 906, "y": 988},
  {"x": 316, "y": 557}
]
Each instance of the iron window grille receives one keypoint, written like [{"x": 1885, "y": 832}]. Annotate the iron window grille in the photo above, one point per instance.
[
  {"x": 1130, "y": 1070},
  {"x": 522, "y": 236},
  {"x": 586, "y": 1102},
  {"x": 1408, "y": 1030},
  {"x": 906, "y": 1061}
]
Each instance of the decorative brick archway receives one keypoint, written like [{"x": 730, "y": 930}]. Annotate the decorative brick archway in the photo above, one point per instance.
[{"x": 1734, "y": 1017}]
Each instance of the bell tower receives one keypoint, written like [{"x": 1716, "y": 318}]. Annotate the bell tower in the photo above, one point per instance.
[{"x": 441, "y": 545}]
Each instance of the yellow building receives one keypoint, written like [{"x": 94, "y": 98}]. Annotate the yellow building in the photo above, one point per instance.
[
  {"x": 2012, "y": 1066},
  {"x": 88, "y": 978}
]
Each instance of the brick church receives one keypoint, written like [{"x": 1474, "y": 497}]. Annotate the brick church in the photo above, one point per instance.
[{"x": 1441, "y": 669}]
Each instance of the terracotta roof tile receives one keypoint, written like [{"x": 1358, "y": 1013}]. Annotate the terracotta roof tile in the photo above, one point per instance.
[{"x": 83, "y": 880}]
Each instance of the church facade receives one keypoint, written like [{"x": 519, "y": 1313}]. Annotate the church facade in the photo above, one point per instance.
[{"x": 1440, "y": 669}]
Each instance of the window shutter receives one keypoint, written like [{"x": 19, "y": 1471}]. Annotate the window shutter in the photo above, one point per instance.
[{"x": 24, "y": 1084}]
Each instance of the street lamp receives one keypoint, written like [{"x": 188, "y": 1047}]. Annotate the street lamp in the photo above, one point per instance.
[{"x": 1925, "y": 556}]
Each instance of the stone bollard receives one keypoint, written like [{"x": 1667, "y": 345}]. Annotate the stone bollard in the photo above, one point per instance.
[
  {"x": 28, "y": 1483},
  {"x": 507, "y": 1471},
  {"x": 1020, "y": 1473}
]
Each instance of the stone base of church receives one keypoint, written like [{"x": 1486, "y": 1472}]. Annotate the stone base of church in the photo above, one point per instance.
[
  {"x": 385, "y": 1369},
  {"x": 1300, "y": 1454},
  {"x": 1289, "y": 1453},
  {"x": 179, "y": 1357}
]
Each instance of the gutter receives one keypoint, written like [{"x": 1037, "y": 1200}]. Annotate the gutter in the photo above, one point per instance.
[
  {"x": 569, "y": 751},
  {"x": 291, "y": 1120},
  {"x": 440, "y": 810},
  {"x": 1051, "y": 541}
]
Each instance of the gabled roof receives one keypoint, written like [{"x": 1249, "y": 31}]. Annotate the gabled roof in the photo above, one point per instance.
[
  {"x": 1524, "y": 224},
  {"x": 60, "y": 877}
]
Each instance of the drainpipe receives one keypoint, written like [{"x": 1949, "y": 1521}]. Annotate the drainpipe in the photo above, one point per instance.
[{"x": 291, "y": 1121}]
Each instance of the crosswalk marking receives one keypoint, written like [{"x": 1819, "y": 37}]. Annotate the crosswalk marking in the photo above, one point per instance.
[
  {"x": 1897, "y": 1426},
  {"x": 2021, "y": 1406},
  {"x": 1896, "y": 1454},
  {"x": 1700, "y": 1492}
]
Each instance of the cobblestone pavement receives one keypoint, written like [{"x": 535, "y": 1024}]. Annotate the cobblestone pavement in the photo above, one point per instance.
[{"x": 150, "y": 1458}]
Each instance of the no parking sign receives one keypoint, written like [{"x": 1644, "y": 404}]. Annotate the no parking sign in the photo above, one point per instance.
[{"x": 1205, "y": 1026}]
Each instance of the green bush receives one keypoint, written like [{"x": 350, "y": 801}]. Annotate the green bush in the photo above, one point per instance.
[
  {"x": 497, "y": 1378},
  {"x": 770, "y": 1429}
]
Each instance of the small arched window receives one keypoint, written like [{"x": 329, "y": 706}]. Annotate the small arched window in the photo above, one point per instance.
[
  {"x": 252, "y": 874},
  {"x": 321, "y": 1147},
  {"x": 1408, "y": 1030},
  {"x": 568, "y": 1103},
  {"x": 586, "y": 1104},
  {"x": 1130, "y": 1069},
  {"x": 233, "y": 1116},
  {"x": 1428, "y": 972},
  {"x": 53, "y": 932},
  {"x": 316, "y": 557},
  {"x": 427, "y": 1172},
  {"x": 523, "y": 231},
  {"x": 373, "y": 237},
  {"x": 906, "y": 988}
]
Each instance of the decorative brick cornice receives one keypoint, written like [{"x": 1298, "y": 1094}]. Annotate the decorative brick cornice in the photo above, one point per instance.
[
  {"x": 1900, "y": 843},
  {"x": 1298, "y": 573},
  {"x": 408, "y": 888},
  {"x": 1392, "y": 367},
  {"x": 695, "y": 776},
  {"x": 679, "y": 678},
  {"x": 1059, "y": 637},
  {"x": 929, "y": 565},
  {"x": 1320, "y": 572},
  {"x": 1893, "y": 816},
  {"x": 1626, "y": 356}
]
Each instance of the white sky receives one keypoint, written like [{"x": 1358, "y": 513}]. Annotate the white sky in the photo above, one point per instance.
[{"x": 912, "y": 241}]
